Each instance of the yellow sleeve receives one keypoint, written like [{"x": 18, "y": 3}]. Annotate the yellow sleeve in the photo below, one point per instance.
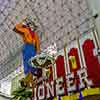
[
  {"x": 20, "y": 28},
  {"x": 37, "y": 42}
]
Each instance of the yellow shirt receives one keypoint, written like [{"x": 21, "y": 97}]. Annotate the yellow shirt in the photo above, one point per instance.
[{"x": 27, "y": 37}]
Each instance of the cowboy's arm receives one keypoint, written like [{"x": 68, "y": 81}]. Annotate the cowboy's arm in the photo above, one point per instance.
[{"x": 21, "y": 29}]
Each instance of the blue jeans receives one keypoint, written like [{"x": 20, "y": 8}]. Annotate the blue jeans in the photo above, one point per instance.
[{"x": 28, "y": 51}]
